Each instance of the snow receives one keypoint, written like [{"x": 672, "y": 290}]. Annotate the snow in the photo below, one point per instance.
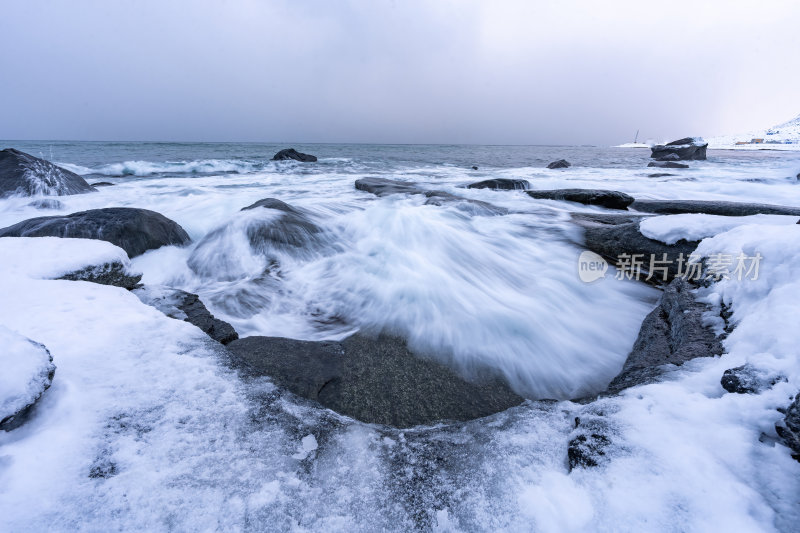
[
  {"x": 53, "y": 257},
  {"x": 786, "y": 136},
  {"x": 26, "y": 367},
  {"x": 669, "y": 229}
]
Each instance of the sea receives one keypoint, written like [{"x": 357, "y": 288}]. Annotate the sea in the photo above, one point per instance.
[{"x": 476, "y": 289}]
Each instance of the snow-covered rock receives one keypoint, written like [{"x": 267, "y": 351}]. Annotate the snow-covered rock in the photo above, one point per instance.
[
  {"x": 670, "y": 229},
  {"x": 25, "y": 175},
  {"x": 72, "y": 259},
  {"x": 682, "y": 149},
  {"x": 26, "y": 371}
]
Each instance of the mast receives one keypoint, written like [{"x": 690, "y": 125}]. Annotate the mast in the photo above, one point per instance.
[{"x": 637, "y": 137}]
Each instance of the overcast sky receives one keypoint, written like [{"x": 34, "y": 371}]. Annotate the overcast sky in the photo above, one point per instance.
[{"x": 405, "y": 71}]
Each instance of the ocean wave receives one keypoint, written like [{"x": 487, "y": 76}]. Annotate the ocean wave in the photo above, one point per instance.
[{"x": 150, "y": 168}]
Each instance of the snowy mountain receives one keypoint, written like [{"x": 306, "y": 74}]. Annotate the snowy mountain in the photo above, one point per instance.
[{"x": 784, "y": 136}]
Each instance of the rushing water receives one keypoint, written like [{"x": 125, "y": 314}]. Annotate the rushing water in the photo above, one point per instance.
[{"x": 478, "y": 291}]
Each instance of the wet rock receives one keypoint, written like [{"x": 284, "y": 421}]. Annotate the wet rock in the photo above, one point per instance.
[
  {"x": 730, "y": 209},
  {"x": 747, "y": 379},
  {"x": 385, "y": 187},
  {"x": 789, "y": 428},
  {"x": 134, "y": 230},
  {"x": 505, "y": 184},
  {"x": 46, "y": 203},
  {"x": 666, "y": 164},
  {"x": 375, "y": 380},
  {"x": 103, "y": 184},
  {"x": 25, "y": 175},
  {"x": 115, "y": 274},
  {"x": 473, "y": 207},
  {"x": 561, "y": 163},
  {"x": 609, "y": 199},
  {"x": 291, "y": 153},
  {"x": 588, "y": 442},
  {"x": 27, "y": 372},
  {"x": 188, "y": 307},
  {"x": 659, "y": 175},
  {"x": 613, "y": 238},
  {"x": 689, "y": 148},
  {"x": 476, "y": 168},
  {"x": 671, "y": 334}
]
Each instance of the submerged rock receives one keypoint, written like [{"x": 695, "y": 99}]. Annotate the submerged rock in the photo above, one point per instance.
[
  {"x": 666, "y": 164},
  {"x": 671, "y": 334},
  {"x": 103, "y": 184},
  {"x": 589, "y": 441},
  {"x": 291, "y": 153},
  {"x": 789, "y": 428},
  {"x": 561, "y": 163},
  {"x": 611, "y": 237},
  {"x": 609, "y": 199},
  {"x": 134, "y": 230},
  {"x": 687, "y": 148},
  {"x": 188, "y": 307},
  {"x": 730, "y": 209},
  {"x": 505, "y": 184},
  {"x": 659, "y": 175},
  {"x": 27, "y": 372},
  {"x": 375, "y": 380},
  {"x": 46, "y": 203},
  {"x": 25, "y": 175},
  {"x": 385, "y": 187}
]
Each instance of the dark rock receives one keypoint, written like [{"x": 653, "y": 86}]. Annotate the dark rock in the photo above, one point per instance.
[
  {"x": 730, "y": 209},
  {"x": 25, "y": 175},
  {"x": 561, "y": 163},
  {"x": 588, "y": 442},
  {"x": 666, "y": 164},
  {"x": 747, "y": 379},
  {"x": 505, "y": 184},
  {"x": 671, "y": 334},
  {"x": 375, "y": 380},
  {"x": 609, "y": 199},
  {"x": 385, "y": 187},
  {"x": 659, "y": 175},
  {"x": 46, "y": 203},
  {"x": 273, "y": 203},
  {"x": 473, "y": 207},
  {"x": 689, "y": 148},
  {"x": 789, "y": 428},
  {"x": 476, "y": 168},
  {"x": 134, "y": 230},
  {"x": 103, "y": 184},
  {"x": 291, "y": 153},
  {"x": 669, "y": 157},
  {"x": 115, "y": 274},
  {"x": 18, "y": 412},
  {"x": 188, "y": 307},
  {"x": 613, "y": 238}
]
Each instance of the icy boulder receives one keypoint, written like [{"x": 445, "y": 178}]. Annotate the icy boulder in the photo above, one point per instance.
[
  {"x": 26, "y": 371},
  {"x": 683, "y": 149},
  {"x": 72, "y": 259},
  {"x": 25, "y": 175}
]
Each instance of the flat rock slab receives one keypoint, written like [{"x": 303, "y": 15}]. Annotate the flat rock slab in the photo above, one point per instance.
[
  {"x": 504, "y": 184},
  {"x": 25, "y": 175},
  {"x": 671, "y": 334},
  {"x": 385, "y": 187},
  {"x": 188, "y": 307},
  {"x": 667, "y": 164},
  {"x": 134, "y": 230},
  {"x": 609, "y": 199},
  {"x": 612, "y": 236},
  {"x": 375, "y": 380},
  {"x": 730, "y": 209},
  {"x": 291, "y": 153}
]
